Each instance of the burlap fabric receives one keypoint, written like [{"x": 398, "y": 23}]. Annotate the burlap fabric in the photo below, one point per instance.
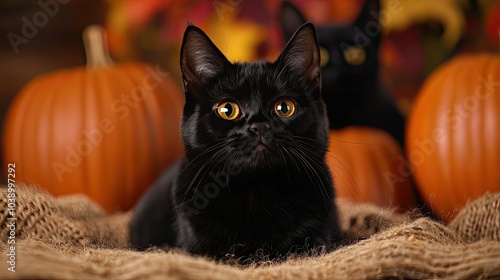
[{"x": 71, "y": 237}]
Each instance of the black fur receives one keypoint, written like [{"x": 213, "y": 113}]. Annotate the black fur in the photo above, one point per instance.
[
  {"x": 353, "y": 93},
  {"x": 258, "y": 183}
]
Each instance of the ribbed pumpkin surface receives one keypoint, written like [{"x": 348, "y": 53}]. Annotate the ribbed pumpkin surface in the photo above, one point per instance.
[
  {"x": 365, "y": 164},
  {"x": 453, "y": 133},
  {"x": 104, "y": 131}
]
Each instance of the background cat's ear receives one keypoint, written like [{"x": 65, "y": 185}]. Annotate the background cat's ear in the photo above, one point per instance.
[
  {"x": 201, "y": 60},
  {"x": 301, "y": 57},
  {"x": 368, "y": 20},
  {"x": 290, "y": 19}
]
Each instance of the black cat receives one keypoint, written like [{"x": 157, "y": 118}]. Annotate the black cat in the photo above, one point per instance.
[
  {"x": 254, "y": 177},
  {"x": 350, "y": 67}
]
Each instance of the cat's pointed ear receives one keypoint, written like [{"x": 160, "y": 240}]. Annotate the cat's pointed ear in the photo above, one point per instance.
[
  {"x": 301, "y": 58},
  {"x": 290, "y": 19},
  {"x": 368, "y": 20},
  {"x": 201, "y": 60}
]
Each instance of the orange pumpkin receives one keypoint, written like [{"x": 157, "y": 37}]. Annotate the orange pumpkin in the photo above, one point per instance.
[
  {"x": 453, "y": 133},
  {"x": 366, "y": 165},
  {"x": 106, "y": 130}
]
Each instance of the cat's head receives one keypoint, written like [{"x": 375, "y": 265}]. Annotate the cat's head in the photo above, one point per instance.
[
  {"x": 253, "y": 115},
  {"x": 349, "y": 52}
]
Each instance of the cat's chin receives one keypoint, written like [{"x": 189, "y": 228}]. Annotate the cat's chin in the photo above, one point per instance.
[
  {"x": 260, "y": 149},
  {"x": 261, "y": 157}
]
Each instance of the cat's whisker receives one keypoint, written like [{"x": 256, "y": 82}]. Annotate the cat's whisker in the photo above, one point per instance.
[
  {"x": 309, "y": 153},
  {"x": 206, "y": 151},
  {"x": 204, "y": 165},
  {"x": 305, "y": 138},
  {"x": 352, "y": 194},
  {"x": 317, "y": 175},
  {"x": 333, "y": 159},
  {"x": 311, "y": 149},
  {"x": 283, "y": 159},
  {"x": 340, "y": 166},
  {"x": 350, "y": 142},
  {"x": 292, "y": 159},
  {"x": 311, "y": 173},
  {"x": 335, "y": 140},
  {"x": 307, "y": 150}
]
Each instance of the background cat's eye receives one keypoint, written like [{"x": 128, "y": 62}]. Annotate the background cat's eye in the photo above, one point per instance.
[
  {"x": 228, "y": 110},
  {"x": 355, "y": 55},
  {"x": 324, "y": 55},
  {"x": 284, "y": 108}
]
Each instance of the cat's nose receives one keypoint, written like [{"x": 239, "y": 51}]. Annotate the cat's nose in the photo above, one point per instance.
[{"x": 259, "y": 128}]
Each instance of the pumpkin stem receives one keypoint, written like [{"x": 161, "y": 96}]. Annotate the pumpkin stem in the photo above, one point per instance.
[{"x": 96, "y": 49}]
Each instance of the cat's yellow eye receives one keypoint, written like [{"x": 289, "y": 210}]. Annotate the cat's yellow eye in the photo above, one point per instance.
[
  {"x": 228, "y": 110},
  {"x": 354, "y": 55},
  {"x": 324, "y": 56},
  {"x": 284, "y": 108}
]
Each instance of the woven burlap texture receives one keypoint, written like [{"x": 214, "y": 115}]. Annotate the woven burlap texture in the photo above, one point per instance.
[{"x": 71, "y": 237}]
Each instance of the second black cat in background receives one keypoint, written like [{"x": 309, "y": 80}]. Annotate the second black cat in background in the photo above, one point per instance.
[{"x": 352, "y": 88}]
